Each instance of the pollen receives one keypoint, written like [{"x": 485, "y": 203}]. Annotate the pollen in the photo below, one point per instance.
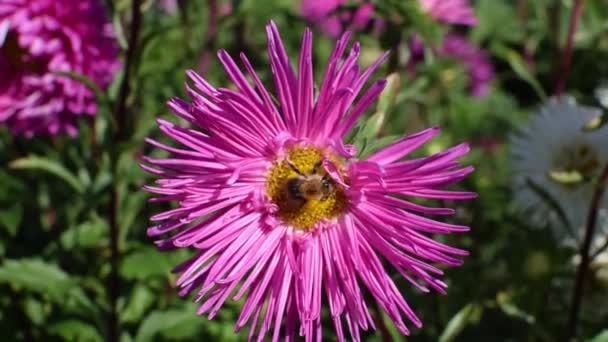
[{"x": 302, "y": 213}]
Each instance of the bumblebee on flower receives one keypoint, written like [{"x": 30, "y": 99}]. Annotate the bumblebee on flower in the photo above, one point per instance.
[{"x": 281, "y": 211}]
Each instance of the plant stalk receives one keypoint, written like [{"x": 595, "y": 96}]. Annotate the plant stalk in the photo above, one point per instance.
[
  {"x": 582, "y": 270},
  {"x": 566, "y": 58},
  {"x": 121, "y": 133}
]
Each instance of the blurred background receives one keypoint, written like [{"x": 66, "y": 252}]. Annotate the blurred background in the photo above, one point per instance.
[{"x": 75, "y": 261}]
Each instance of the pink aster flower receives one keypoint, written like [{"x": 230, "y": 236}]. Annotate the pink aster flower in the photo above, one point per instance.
[
  {"x": 333, "y": 20},
  {"x": 38, "y": 39},
  {"x": 450, "y": 11},
  {"x": 283, "y": 214}
]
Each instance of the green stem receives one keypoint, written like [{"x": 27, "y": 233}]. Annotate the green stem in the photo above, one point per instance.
[{"x": 121, "y": 133}]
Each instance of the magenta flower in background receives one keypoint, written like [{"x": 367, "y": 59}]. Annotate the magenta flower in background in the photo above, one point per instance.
[
  {"x": 475, "y": 59},
  {"x": 450, "y": 11},
  {"x": 477, "y": 62},
  {"x": 39, "y": 38},
  {"x": 169, "y": 6},
  {"x": 282, "y": 213},
  {"x": 333, "y": 20}
]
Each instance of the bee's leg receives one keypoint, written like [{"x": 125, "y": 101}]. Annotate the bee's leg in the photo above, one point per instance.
[{"x": 294, "y": 168}]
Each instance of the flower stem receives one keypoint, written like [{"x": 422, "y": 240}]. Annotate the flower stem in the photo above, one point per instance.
[
  {"x": 125, "y": 85},
  {"x": 566, "y": 58},
  {"x": 114, "y": 281},
  {"x": 581, "y": 272},
  {"x": 122, "y": 132}
]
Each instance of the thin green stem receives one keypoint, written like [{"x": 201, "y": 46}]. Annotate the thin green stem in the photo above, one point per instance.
[{"x": 121, "y": 133}]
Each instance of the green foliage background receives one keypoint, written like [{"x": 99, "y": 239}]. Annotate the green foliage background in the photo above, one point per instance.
[{"x": 56, "y": 193}]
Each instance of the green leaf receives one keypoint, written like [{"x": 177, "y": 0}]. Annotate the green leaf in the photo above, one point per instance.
[
  {"x": 372, "y": 126},
  {"x": 387, "y": 99},
  {"x": 518, "y": 65},
  {"x": 511, "y": 309},
  {"x": 34, "y": 310},
  {"x": 141, "y": 299},
  {"x": 119, "y": 30},
  {"x": 88, "y": 234},
  {"x": 44, "y": 164},
  {"x": 470, "y": 313},
  {"x": 352, "y": 135},
  {"x": 35, "y": 275},
  {"x": 424, "y": 25},
  {"x": 132, "y": 204},
  {"x": 75, "y": 330},
  {"x": 11, "y": 218},
  {"x": 497, "y": 22},
  {"x": 144, "y": 263},
  {"x": 169, "y": 324},
  {"x": 374, "y": 145},
  {"x": 77, "y": 302},
  {"x": 413, "y": 89},
  {"x": 10, "y": 186},
  {"x": 601, "y": 337}
]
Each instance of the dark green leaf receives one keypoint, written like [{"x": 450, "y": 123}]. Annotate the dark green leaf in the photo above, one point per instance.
[
  {"x": 141, "y": 299},
  {"x": 34, "y": 310},
  {"x": 169, "y": 323},
  {"x": 35, "y": 275},
  {"x": 372, "y": 126},
  {"x": 376, "y": 144},
  {"x": 468, "y": 314},
  {"x": 505, "y": 302},
  {"x": 53, "y": 167},
  {"x": 88, "y": 234},
  {"x": 387, "y": 99},
  {"x": 50, "y": 281},
  {"x": 518, "y": 65},
  {"x": 145, "y": 262},
  {"x": 75, "y": 330},
  {"x": 11, "y": 218}
]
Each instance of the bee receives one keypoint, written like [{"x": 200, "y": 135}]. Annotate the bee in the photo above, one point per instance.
[{"x": 315, "y": 185}]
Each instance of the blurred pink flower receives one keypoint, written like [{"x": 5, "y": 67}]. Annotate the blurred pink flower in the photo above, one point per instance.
[
  {"x": 333, "y": 20},
  {"x": 450, "y": 11},
  {"x": 39, "y": 38},
  {"x": 475, "y": 59},
  {"x": 169, "y": 6},
  {"x": 243, "y": 180}
]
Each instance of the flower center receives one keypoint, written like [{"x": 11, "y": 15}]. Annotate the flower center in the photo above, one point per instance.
[
  {"x": 580, "y": 160},
  {"x": 302, "y": 189}
]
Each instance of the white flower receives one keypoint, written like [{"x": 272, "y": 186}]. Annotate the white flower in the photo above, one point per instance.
[{"x": 554, "y": 155}]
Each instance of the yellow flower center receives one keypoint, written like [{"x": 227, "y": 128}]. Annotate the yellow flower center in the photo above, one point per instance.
[{"x": 302, "y": 190}]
